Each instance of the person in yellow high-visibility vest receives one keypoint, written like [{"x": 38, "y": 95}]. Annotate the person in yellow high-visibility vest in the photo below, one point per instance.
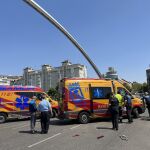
[{"x": 120, "y": 99}]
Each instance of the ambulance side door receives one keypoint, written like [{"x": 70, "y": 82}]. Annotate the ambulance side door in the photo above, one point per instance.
[{"x": 100, "y": 100}]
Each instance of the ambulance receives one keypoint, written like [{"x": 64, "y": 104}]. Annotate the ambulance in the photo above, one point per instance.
[
  {"x": 14, "y": 101},
  {"x": 84, "y": 99}
]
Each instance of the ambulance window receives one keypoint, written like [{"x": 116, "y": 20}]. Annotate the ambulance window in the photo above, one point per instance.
[
  {"x": 100, "y": 92},
  {"x": 123, "y": 91},
  {"x": 26, "y": 94}
]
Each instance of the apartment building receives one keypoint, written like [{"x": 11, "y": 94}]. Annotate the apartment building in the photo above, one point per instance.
[
  {"x": 112, "y": 74},
  {"x": 49, "y": 77},
  {"x": 8, "y": 79}
]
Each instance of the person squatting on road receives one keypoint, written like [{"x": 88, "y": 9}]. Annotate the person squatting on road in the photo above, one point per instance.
[
  {"x": 146, "y": 98},
  {"x": 120, "y": 99},
  {"x": 128, "y": 105},
  {"x": 45, "y": 108},
  {"x": 114, "y": 110},
  {"x": 32, "y": 110}
]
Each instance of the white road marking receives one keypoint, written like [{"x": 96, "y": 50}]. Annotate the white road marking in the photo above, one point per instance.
[
  {"x": 75, "y": 127},
  {"x": 44, "y": 140}
]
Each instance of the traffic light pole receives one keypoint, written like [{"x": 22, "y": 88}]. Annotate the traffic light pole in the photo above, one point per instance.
[{"x": 46, "y": 15}]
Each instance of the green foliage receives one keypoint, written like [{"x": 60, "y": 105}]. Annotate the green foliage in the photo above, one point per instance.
[
  {"x": 139, "y": 87},
  {"x": 145, "y": 87},
  {"x": 53, "y": 93}
]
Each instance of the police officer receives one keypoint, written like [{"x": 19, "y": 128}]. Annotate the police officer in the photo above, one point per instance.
[
  {"x": 120, "y": 99},
  {"x": 114, "y": 110},
  {"x": 45, "y": 108},
  {"x": 146, "y": 98},
  {"x": 128, "y": 105}
]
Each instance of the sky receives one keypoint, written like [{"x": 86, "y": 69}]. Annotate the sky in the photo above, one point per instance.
[{"x": 114, "y": 33}]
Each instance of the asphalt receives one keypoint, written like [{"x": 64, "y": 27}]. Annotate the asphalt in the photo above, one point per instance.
[{"x": 70, "y": 135}]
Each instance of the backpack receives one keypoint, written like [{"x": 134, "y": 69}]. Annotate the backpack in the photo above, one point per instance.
[
  {"x": 128, "y": 100},
  {"x": 147, "y": 99},
  {"x": 32, "y": 106}
]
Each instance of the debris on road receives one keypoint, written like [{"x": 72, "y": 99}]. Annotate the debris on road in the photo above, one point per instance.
[
  {"x": 124, "y": 137},
  {"x": 75, "y": 135},
  {"x": 99, "y": 137}
]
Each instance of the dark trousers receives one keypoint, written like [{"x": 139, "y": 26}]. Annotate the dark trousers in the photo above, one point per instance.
[
  {"x": 115, "y": 117},
  {"x": 129, "y": 116},
  {"x": 148, "y": 108},
  {"x": 45, "y": 121},
  {"x": 120, "y": 113}
]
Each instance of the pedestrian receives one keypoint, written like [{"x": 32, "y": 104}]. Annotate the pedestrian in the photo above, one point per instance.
[
  {"x": 45, "y": 108},
  {"x": 114, "y": 110},
  {"x": 146, "y": 98},
  {"x": 120, "y": 100},
  {"x": 128, "y": 105},
  {"x": 32, "y": 110}
]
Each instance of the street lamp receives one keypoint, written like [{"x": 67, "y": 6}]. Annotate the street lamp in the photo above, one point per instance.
[{"x": 46, "y": 15}]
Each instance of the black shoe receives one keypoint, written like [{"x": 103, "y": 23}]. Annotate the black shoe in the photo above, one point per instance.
[
  {"x": 33, "y": 132},
  {"x": 42, "y": 132},
  {"x": 45, "y": 132}
]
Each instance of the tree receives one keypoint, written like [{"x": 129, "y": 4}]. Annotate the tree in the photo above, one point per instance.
[
  {"x": 139, "y": 87},
  {"x": 144, "y": 87},
  {"x": 52, "y": 93}
]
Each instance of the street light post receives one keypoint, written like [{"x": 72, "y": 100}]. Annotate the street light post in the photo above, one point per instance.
[{"x": 46, "y": 15}]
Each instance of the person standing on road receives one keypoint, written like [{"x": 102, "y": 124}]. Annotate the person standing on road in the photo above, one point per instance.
[
  {"x": 128, "y": 105},
  {"x": 32, "y": 110},
  {"x": 114, "y": 110},
  {"x": 45, "y": 108},
  {"x": 146, "y": 98},
  {"x": 120, "y": 100}
]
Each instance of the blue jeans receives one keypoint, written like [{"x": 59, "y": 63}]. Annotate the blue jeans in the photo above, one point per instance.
[{"x": 33, "y": 121}]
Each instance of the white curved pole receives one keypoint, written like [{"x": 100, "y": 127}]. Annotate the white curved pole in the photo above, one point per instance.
[{"x": 45, "y": 14}]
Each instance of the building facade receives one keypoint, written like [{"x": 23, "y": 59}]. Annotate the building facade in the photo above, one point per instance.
[
  {"x": 8, "y": 79},
  {"x": 49, "y": 77},
  {"x": 148, "y": 77},
  {"x": 111, "y": 74}
]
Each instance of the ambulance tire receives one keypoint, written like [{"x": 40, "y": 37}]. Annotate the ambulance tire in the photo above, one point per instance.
[
  {"x": 135, "y": 113},
  {"x": 84, "y": 117},
  {"x": 3, "y": 117}
]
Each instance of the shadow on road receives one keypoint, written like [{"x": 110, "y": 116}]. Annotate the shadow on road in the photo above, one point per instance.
[
  {"x": 145, "y": 118},
  {"x": 104, "y": 128},
  {"x": 63, "y": 122},
  {"x": 29, "y": 132},
  {"x": 16, "y": 120},
  {"x": 74, "y": 122}
]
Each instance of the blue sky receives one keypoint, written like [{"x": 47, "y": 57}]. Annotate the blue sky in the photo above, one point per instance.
[{"x": 113, "y": 32}]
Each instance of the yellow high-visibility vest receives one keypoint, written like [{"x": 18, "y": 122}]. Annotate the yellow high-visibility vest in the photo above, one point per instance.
[{"x": 120, "y": 99}]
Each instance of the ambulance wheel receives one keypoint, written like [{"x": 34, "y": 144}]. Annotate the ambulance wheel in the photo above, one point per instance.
[
  {"x": 84, "y": 117},
  {"x": 3, "y": 117},
  {"x": 135, "y": 113}
]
